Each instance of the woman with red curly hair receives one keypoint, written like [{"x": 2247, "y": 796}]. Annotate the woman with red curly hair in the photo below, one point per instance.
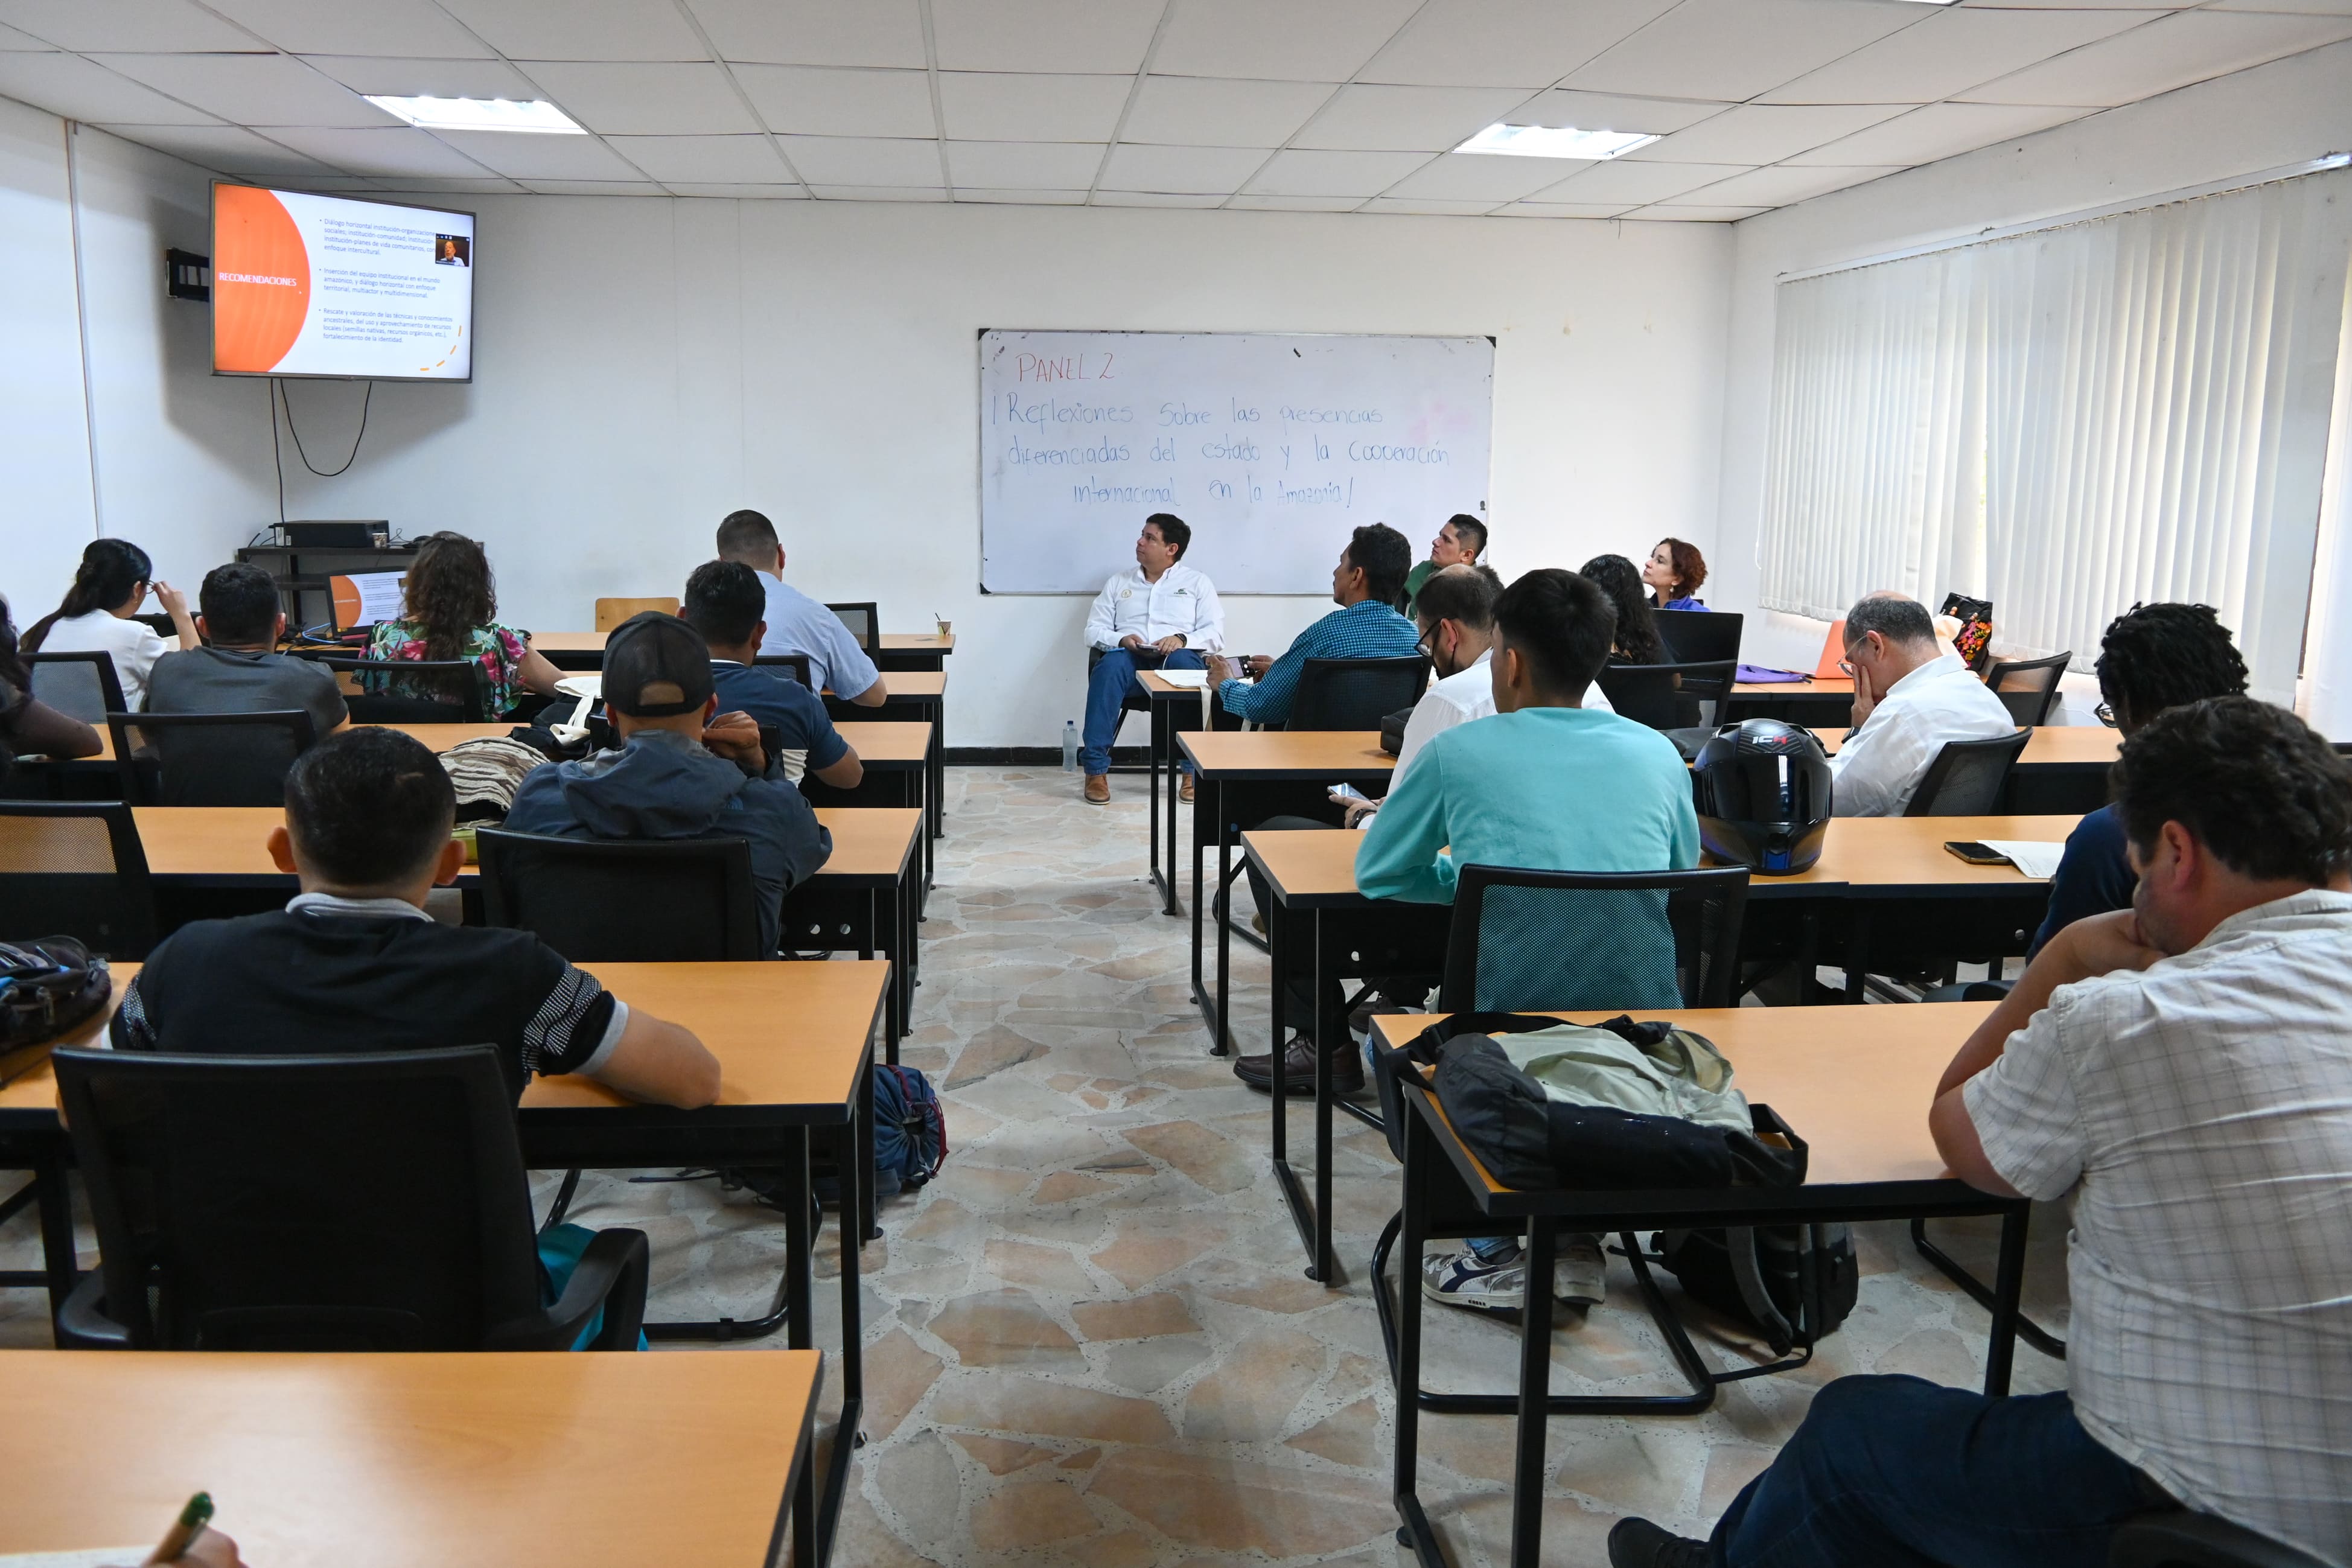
[
  {"x": 1675, "y": 573},
  {"x": 450, "y": 611}
]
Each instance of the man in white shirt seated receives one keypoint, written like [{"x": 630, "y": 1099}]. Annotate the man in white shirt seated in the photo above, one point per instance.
[
  {"x": 1909, "y": 699},
  {"x": 796, "y": 622},
  {"x": 2179, "y": 1074},
  {"x": 1161, "y": 615}
]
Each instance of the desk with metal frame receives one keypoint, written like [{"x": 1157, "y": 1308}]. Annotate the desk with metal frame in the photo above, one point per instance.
[
  {"x": 899, "y": 650},
  {"x": 923, "y": 695},
  {"x": 897, "y": 757},
  {"x": 2064, "y": 767},
  {"x": 1855, "y": 1085},
  {"x": 1171, "y": 705}
]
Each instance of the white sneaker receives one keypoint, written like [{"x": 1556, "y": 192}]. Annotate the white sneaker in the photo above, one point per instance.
[
  {"x": 1463, "y": 1280},
  {"x": 1580, "y": 1271}
]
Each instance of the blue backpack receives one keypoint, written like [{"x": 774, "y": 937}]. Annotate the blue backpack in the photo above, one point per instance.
[{"x": 910, "y": 1130}]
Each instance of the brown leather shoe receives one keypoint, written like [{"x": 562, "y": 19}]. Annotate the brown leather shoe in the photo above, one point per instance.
[
  {"x": 1184, "y": 789},
  {"x": 1298, "y": 1070},
  {"x": 1098, "y": 789}
]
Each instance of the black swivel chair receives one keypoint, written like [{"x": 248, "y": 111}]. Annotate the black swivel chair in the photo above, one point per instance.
[
  {"x": 864, "y": 619},
  {"x": 1668, "y": 696},
  {"x": 466, "y": 684},
  {"x": 76, "y": 868},
  {"x": 1355, "y": 693},
  {"x": 2179, "y": 1539},
  {"x": 795, "y": 665},
  {"x": 320, "y": 1203},
  {"x": 1524, "y": 941},
  {"x": 1966, "y": 776},
  {"x": 207, "y": 758},
  {"x": 2028, "y": 687},
  {"x": 1700, "y": 636},
  {"x": 676, "y": 900},
  {"x": 78, "y": 685}
]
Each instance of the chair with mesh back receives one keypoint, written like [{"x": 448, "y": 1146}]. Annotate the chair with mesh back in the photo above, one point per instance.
[
  {"x": 320, "y": 1203},
  {"x": 78, "y": 685},
  {"x": 611, "y": 613},
  {"x": 76, "y": 868},
  {"x": 1668, "y": 696},
  {"x": 2028, "y": 687},
  {"x": 864, "y": 619},
  {"x": 1355, "y": 693},
  {"x": 1966, "y": 776},
  {"x": 462, "y": 684},
  {"x": 207, "y": 758},
  {"x": 1700, "y": 636},
  {"x": 597, "y": 900},
  {"x": 795, "y": 665},
  {"x": 2178, "y": 1538}
]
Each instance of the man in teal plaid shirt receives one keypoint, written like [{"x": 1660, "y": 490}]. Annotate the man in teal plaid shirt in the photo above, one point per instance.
[{"x": 1366, "y": 585}]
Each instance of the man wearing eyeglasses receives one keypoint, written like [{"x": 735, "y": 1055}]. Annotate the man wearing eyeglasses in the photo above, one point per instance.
[{"x": 1910, "y": 700}]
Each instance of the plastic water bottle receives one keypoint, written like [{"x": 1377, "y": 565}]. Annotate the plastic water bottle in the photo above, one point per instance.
[{"x": 1070, "y": 745}]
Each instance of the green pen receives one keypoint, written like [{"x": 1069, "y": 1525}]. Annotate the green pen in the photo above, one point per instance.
[{"x": 184, "y": 1530}]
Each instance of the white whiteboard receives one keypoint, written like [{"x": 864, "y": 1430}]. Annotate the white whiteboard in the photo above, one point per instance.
[{"x": 1275, "y": 447}]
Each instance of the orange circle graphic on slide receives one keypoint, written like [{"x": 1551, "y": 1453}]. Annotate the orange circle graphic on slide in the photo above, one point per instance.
[{"x": 261, "y": 279}]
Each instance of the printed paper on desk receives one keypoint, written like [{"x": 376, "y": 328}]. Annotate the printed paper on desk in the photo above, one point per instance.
[
  {"x": 365, "y": 598},
  {"x": 1184, "y": 676},
  {"x": 2032, "y": 856},
  {"x": 102, "y": 1557}
]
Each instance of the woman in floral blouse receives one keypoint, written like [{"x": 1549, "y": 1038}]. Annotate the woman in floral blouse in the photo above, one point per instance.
[{"x": 449, "y": 612}]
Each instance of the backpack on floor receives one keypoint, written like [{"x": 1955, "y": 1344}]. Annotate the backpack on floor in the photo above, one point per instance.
[
  {"x": 910, "y": 1129},
  {"x": 1793, "y": 1283}
]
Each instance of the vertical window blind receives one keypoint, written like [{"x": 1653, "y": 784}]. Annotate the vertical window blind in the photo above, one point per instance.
[{"x": 2064, "y": 422}]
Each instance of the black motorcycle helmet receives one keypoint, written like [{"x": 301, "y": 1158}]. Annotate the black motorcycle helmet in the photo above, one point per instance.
[{"x": 1764, "y": 795}]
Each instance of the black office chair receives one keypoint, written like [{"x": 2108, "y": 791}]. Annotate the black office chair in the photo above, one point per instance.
[
  {"x": 1668, "y": 696},
  {"x": 1700, "y": 636},
  {"x": 864, "y": 619},
  {"x": 1133, "y": 701},
  {"x": 78, "y": 685},
  {"x": 319, "y": 1203},
  {"x": 672, "y": 900},
  {"x": 2028, "y": 687},
  {"x": 76, "y": 868},
  {"x": 207, "y": 758},
  {"x": 795, "y": 665},
  {"x": 1355, "y": 693},
  {"x": 1966, "y": 776},
  {"x": 465, "y": 683},
  {"x": 2179, "y": 1539},
  {"x": 1524, "y": 941}
]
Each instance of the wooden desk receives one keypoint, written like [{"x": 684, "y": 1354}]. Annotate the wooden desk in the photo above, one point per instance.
[
  {"x": 1245, "y": 776},
  {"x": 395, "y": 1460},
  {"x": 2064, "y": 767},
  {"x": 897, "y": 756},
  {"x": 440, "y": 737},
  {"x": 1826, "y": 700},
  {"x": 899, "y": 650},
  {"x": 916, "y": 694},
  {"x": 1854, "y": 1083},
  {"x": 1174, "y": 708}
]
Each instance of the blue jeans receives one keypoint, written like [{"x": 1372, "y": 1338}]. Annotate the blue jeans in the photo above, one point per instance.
[
  {"x": 1106, "y": 687},
  {"x": 1897, "y": 1472}
]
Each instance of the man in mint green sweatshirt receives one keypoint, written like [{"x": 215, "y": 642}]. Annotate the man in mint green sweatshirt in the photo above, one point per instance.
[{"x": 1543, "y": 784}]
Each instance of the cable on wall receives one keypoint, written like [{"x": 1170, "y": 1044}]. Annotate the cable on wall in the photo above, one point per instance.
[{"x": 278, "y": 383}]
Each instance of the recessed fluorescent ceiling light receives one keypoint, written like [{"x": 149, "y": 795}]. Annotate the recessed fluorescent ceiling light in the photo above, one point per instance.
[
  {"x": 479, "y": 114},
  {"x": 1554, "y": 141}
]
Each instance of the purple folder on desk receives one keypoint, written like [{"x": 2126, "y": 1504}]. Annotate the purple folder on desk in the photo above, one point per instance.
[{"x": 1757, "y": 675}]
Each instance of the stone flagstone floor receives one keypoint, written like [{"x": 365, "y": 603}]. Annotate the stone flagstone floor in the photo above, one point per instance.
[{"x": 1090, "y": 1344}]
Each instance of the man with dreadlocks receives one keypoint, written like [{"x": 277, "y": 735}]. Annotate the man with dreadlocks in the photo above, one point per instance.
[{"x": 2153, "y": 656}]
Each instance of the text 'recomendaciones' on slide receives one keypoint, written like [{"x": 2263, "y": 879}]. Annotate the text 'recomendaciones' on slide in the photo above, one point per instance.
[{"x": 308, "y": 285}]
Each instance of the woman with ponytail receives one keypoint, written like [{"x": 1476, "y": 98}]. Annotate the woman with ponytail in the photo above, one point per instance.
[{"x": 96, "y": 616}]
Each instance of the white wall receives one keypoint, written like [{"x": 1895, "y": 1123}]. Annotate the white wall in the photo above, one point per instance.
[
  {"x": 46, "y": 517},
  {"x": 2255, "y": 119}
]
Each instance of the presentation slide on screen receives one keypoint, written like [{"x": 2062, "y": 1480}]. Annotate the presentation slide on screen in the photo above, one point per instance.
[{"x": 307, "y": 285}]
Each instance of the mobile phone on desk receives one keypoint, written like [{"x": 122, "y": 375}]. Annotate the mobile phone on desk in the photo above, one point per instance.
[{"x": 1975, "y": 854}]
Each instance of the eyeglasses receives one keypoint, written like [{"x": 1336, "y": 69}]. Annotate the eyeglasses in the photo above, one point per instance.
[{"x": 2107, "y": 712}]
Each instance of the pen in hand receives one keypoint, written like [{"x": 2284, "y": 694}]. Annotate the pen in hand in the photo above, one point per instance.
[{"x": 193, "y": 1519}]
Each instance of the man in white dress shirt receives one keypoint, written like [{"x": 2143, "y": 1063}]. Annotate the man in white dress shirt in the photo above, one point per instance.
[
  {"x": 1162, "y": 615},
  {"x": 1909, "y": 699}
]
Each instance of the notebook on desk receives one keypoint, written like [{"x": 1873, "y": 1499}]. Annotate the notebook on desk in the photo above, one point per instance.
[{"x": 1184, "y": 676}]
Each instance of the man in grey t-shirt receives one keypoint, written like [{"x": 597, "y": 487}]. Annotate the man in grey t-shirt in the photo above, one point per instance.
[{"x": 238, "y": 670}]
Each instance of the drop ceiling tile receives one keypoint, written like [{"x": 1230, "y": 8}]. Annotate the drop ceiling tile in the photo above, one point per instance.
[
  {"x": 479, "y": 187},
  {"x": 1319, "y": 174},
  {"x": 397, "y": 150},
  {"x": 1635, "y": 184},
  {"x": 1734, "y": 50},
  {"x": 643, "y": 99},
  {"x": 252, "y": 90},
  {"x": 1777, "y": 187},
  {"x": 2191, "y": 45},
  {"x": 1563, "y": 209},
  {"x": 1181, "y": 170},
  {"x": 863, "y": 160},
  {"x": 1952, "y": 50},
  {"x": 74, "y": 89},
  {"x": 228, "y": 148},
  {"x": 815, "y": 32},
  {"x": 1426, "y": 206},
  {"x": 398, "y": 77},
  {"x": 1296, "y": 203},
  {"x": 10, "y": 38},
  {"x": 879, "y": 193},
  {"x": 739, "y": 160},
  {"x": 1207, "y": 111},
  {"x": 824, "y": 101},
  {"x": 540, "y": 158},
  {"x": 1939, "y": 130},
  {"x": 740, "y": 192},
  {"x": 1107, "y": 37},
  {"x": 1297, "y": 40},
  {"x": 2083, "y": 5},
  {"x": 1154, "y": 199},
  {"x": 1667, "y": 214},
  {"x": 1027, "y": 198},
  {"x": 581, "y": 29},
  {"x": 162, "y": 26},
  {"x": 1486, "y": 176},
  {"x": 593, "y": 188},
  {"x": 1010, "y": 106},
  {"x": 418, "y": 29},
  {"x": 1527, "y": 44},
  {"x": 1607, "y": 111},
  {"x": 1755, "y": 133},
  {"x": 1024, "y": 165},
  {"x": 2307, "y": 7},
  {"x": 1407, "y": 119}
]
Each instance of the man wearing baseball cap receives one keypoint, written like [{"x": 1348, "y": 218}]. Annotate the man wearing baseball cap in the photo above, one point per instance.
[{"x": 682, "y": 769}]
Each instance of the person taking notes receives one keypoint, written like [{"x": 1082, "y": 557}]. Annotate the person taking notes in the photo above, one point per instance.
[{"x": 1159, "y": 614}]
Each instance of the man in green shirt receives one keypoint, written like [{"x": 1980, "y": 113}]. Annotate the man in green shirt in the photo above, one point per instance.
[{"x": 1459, "y": 542}]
